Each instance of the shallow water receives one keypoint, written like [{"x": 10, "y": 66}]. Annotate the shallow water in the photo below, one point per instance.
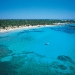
[{"x": 41, "y": 51}]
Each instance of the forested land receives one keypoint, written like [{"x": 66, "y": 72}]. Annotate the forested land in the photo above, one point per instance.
[{"x": 19, "y": 22}]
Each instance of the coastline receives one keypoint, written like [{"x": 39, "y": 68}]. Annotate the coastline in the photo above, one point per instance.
[{"x": 7, "y": 29}]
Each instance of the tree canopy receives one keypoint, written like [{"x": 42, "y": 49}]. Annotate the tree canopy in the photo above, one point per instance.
[{"x": 19, "y": 22}]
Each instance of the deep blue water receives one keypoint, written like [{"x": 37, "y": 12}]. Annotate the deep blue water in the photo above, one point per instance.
[{"x": 38, "y": 51}]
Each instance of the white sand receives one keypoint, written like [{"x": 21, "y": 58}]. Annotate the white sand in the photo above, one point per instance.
[{"x": 23, "y": 27}]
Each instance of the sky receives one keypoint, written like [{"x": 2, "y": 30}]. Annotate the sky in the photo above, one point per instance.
[{"x": 37, "y": 9}]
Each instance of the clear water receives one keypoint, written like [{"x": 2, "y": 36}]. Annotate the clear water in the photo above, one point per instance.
[{"x": 39, "y": 51}]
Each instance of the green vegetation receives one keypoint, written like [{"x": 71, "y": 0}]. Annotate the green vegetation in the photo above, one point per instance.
[{"x": 27, "y": 22}]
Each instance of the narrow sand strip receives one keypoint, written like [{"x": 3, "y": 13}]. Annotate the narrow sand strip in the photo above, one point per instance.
[{"x": 7, "y": 29}]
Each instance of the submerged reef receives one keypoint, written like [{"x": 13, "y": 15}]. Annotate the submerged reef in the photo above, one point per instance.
[
  {"x": 6, "y": 68},
  {"x": 66, "y": 29},
  {"x": 64, "y": 65},
  {"x": 4, "y": 51},
  {"x": 4, "y": 37},
  {"x": 31, "y": 63},
  {"x": 65, "y": 58},
  {"x": 72, "y": 26}
]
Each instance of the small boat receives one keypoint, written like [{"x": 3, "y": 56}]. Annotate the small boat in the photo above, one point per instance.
[{"x": 46, "y": 43}]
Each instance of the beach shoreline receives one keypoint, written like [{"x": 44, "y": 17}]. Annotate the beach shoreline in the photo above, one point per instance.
[{"x": 7, "y": 29}]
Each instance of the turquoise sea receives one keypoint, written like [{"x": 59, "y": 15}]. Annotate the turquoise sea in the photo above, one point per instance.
[{"x": 38, "y": 51}]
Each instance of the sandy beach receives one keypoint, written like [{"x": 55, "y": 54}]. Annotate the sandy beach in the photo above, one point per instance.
[{"x": 7, "y": 29}]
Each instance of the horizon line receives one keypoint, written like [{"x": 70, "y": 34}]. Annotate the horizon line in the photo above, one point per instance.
[{"x": 37, "y": 19}]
